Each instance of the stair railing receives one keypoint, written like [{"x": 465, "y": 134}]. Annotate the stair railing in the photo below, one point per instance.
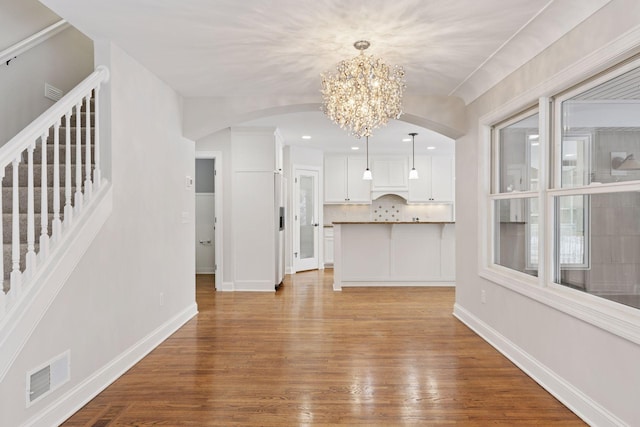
[{"x": 27, "y": 260}]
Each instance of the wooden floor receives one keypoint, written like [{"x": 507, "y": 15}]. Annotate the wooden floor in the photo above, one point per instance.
[{"x": 307, "y": 355}]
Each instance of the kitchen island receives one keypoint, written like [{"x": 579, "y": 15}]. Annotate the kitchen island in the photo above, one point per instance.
[{"x": 393, "y": 254}]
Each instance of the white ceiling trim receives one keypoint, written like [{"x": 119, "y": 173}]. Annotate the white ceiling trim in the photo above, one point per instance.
[
  {"x": 499, "y": 49},
  {"x": 534, "y": 37}
]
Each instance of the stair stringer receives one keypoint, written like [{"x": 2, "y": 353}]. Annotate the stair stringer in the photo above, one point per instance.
[{"x": 18, "y": 325}]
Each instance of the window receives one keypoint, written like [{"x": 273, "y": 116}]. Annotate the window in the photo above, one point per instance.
[
  {"x": 562, "y": 185},
  {"x": 515, "y": 197},
  {"x": 596, "y": 190}
]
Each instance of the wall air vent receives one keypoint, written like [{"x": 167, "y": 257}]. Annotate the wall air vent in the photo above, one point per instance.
[
  {"x": 53, "y": 93},
  {"x": 48, "y": 377},
  {"x": 39, "y": 383}
]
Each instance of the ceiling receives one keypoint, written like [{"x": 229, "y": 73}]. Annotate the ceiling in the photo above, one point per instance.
[{"x": 232, "y": 48}]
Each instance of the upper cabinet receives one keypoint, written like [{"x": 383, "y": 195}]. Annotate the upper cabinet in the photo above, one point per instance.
[
  {"x": 390, "y": 174},
  {"x": 343, "y": 181},
  {"x": 435, "y": 182}
]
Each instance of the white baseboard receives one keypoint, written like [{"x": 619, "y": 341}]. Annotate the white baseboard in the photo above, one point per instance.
[
  {"x": 583, "y": 406},
  {"x": 67, "y": 404},
  {"x": 254, "y": 286},
  {"x": 206, "y": 271},
  {"x": 225, "y": 287}
]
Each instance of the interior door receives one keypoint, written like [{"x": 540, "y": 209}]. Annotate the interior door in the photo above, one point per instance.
[
  {"x": 205, "y": 233},
  {"x": 306, "y": 219}
]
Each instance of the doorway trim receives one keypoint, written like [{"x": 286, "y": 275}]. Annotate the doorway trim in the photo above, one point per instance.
[
  {"x": 217, "y": 156},
  {"x": 295, "y": 208}
]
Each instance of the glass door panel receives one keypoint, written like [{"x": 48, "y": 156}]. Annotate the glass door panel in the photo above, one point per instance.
[{"x": 306, "y": 257}]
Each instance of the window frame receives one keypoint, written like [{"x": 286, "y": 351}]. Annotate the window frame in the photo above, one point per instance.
[
  {"x": 525, "y": 195},
  {"x": 618, "y": 319}
]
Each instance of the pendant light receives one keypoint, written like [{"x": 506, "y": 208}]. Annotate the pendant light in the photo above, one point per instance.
[
  {"x": 413, "y": 174},
  {"x": 367, "y": 173}
]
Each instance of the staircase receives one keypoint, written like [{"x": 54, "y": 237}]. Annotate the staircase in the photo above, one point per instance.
[
  {"x": 54, "y": 201},
  {"x": 65, "y": 195}
]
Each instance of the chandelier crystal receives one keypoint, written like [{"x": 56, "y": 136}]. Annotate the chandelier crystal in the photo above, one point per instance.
[{"x": 364, "y": 93}]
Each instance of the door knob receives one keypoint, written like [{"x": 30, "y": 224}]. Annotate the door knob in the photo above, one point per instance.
[{"x": 316, "y": 224}]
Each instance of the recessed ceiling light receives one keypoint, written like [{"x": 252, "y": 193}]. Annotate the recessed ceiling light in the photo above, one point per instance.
[
  {"x": 306, "y": 137},
  {"x": 431, "y": 148},
  {"x": 533, "y": 144},
  {"x": 355, "y": 148},
  {"x": 534, "y": 136},
  {"x": 570, "y": 155},
  {"x": 406, "y": 140}
]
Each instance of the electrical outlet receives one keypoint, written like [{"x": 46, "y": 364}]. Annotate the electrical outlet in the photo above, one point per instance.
[{"x": 483, "y": 296}]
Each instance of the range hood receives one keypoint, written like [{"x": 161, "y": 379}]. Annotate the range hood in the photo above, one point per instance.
[{"x": 376, "y": 194}]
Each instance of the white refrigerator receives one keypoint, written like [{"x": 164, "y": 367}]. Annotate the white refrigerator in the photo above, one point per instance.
[{"x": 279, "y": 193}]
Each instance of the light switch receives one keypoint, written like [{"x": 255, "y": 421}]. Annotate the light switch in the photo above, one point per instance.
[{"x": 188, "y": 181}]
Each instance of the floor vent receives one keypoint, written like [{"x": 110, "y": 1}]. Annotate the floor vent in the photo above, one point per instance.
[
  {"x": 47, "y": 378},
  {"x": 39, "y": 383},
  {"x": 53, "y": 93}
]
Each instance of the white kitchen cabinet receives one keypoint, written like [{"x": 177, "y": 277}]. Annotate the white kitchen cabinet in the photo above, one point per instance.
[
  {"x": 435, "y": 182},
  {"x": 390, "y": 174},
  {"x": 328, "y": 246},
  {"x": 255, "y": 207},
  {"x": 343, "y": 181}
]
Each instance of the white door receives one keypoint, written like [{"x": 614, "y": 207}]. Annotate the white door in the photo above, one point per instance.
[
  {"x": 205, "y": 233},
  {"x": 306, "y": 220}
]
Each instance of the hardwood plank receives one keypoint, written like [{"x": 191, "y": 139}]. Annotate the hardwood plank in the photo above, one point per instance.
[{"x": 307, "y": 355}]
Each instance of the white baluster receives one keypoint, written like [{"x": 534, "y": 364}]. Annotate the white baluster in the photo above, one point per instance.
[
  {"x": 78, "y": 194},
  {"x": 56, "y": 223},
  {"x": 44, "y": 198},
  {"x": 31, "y": 231},
  {"x": 68, "y": 208},
  {"x": 16, "y": 276},
  {"x": 88, "y": 186},
  {"x": 97, "y": 174}
]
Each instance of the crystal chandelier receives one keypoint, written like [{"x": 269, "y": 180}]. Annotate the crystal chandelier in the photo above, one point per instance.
[{"x": 364, "y": 93}]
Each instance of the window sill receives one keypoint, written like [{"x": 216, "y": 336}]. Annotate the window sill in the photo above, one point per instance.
[{"x": 610, "y": 316}]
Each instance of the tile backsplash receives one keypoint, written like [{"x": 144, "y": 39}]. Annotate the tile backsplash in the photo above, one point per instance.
[{"x": 388, "y": 208}]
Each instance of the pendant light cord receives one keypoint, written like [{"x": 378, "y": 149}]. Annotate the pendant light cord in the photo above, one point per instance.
[
  {"x": 413, "y": 149},
  {"x": 367, "y": 151},
  {"x": 413, "y": 173}
]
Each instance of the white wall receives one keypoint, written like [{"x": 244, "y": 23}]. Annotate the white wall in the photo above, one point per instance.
[
  {"x": 20, "y": 19},
  {"x": 595, "y": 372},
  {"x": 111, "y": 303},
  {"x": 62, "y": 61}
]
